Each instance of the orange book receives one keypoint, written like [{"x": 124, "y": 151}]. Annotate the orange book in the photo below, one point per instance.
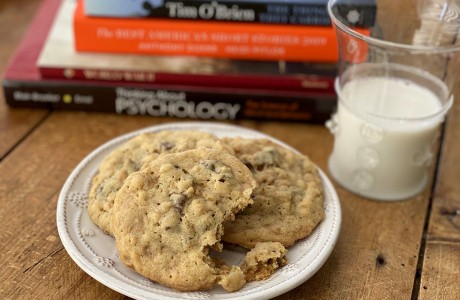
[{"x": 204, "y": 38}]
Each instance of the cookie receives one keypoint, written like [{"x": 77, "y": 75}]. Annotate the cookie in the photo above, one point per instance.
[
  {"x": 288, "y": 202},
  {"x": 263, "y": 260},
  {"x": 168, "y": 215},
  {"x": 130, "y": 157}
]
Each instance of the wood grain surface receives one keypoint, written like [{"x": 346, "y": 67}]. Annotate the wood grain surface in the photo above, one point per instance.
[
  {"x": 377, "y": 255},
  {"x": 14, "y": 124},
  {"x": 441, "y": 257}
]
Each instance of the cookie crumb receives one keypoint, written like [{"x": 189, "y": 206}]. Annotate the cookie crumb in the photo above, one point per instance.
[
  {"x": 233, "y": 279},
  {"x": 263, "y": 260}
]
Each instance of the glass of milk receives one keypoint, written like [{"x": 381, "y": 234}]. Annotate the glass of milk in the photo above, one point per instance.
[{"x": 395, "y": 86}]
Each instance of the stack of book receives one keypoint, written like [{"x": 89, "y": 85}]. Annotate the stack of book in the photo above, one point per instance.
[{"x": 254, "y": 59}]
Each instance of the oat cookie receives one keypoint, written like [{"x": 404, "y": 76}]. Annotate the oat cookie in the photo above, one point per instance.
[
  {"x": 130, "y": 157},
  {"x": 263, "y": 260},
  {"x": 168, "y": 216},
  {"x": 288, "y": 202}
]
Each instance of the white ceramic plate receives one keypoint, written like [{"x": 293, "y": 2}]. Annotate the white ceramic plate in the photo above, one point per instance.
[{"x": 95, "y": 252}]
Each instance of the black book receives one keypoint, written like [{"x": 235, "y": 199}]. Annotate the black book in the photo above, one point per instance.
[{"x": 295, "y": 12}]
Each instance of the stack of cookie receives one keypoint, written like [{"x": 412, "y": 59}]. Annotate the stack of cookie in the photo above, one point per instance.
[{"x": 171, "y": 198}]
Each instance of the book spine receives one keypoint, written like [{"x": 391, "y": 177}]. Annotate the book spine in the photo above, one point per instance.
[
  {"x": 222, "y": 39},
  {"x": 175, "y": 102},
  {"x": 263, "y": 12},
  {"x": 308, "y": 83}
]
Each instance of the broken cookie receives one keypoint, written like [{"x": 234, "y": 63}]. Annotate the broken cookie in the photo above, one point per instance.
[{"x": 168, "y": 215}]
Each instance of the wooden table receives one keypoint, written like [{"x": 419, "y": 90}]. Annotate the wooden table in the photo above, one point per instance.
[{"x": 400, "y": 250}]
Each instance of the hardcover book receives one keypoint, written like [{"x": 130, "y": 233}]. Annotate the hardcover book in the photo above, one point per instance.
[
  {"x": 205, "y": 38},
  {"x": 296, "y": 12},
  {"x": 24, "y": 87},
  {"x": 59, "y": 60}
]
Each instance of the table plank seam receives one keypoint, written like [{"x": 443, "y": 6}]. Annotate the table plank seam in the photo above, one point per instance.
[
  {"x": 423, "y": 241},
  {"x": 26, "y": 134}
]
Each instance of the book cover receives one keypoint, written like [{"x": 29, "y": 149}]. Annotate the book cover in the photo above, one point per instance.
[
  {"x": 23, "y": 87},
  {"x": 294, "y": 12},
  {"x": 205, "y": 38},
  {"x": 22, "y": 62},
  {"x": 59, "y": 60},
  {"x": 168, "y": 101}
]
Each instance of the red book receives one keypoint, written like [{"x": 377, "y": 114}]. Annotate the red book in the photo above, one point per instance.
[
  {"x": 204, "y": 38},
  {"x": 59, "y": 60},
  {"x": 22, "y": 63}
]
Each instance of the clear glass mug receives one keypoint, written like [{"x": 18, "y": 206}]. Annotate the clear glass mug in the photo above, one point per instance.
[{"x": 394, "y": 86}]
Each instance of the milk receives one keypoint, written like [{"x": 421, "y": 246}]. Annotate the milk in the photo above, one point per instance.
[{"x": 384, "y": 141}]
